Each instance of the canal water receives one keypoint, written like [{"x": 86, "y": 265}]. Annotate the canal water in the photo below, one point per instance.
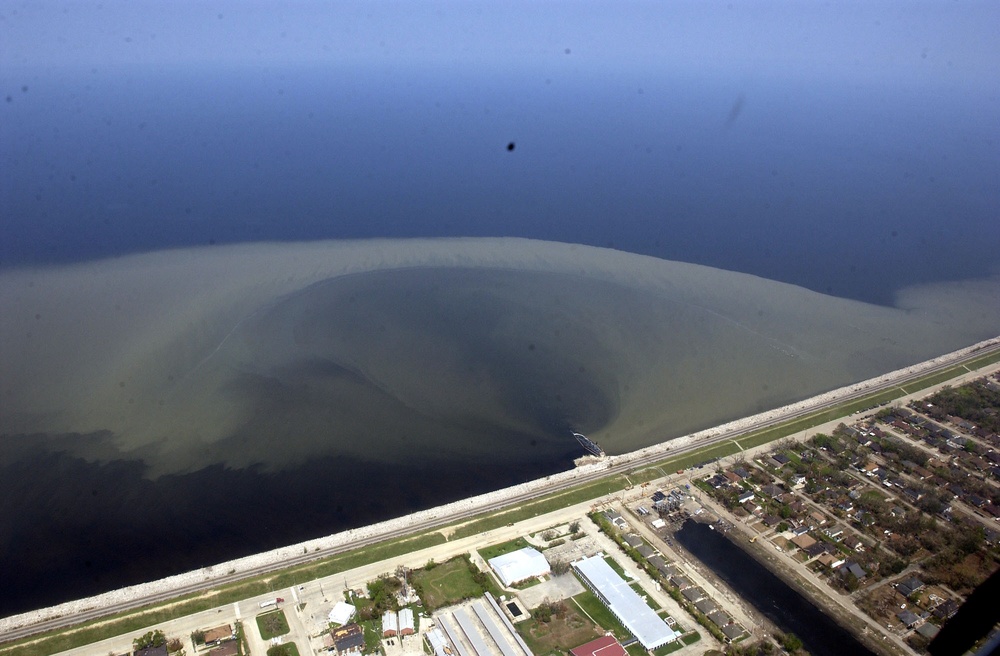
[{"x": 779, "y": 602}]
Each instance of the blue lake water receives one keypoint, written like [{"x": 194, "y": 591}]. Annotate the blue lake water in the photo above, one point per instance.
[{"x": 853, "y": 189}]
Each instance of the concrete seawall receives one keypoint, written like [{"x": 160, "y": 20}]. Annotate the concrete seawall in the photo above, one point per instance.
[{"x": 399, "y": 525}]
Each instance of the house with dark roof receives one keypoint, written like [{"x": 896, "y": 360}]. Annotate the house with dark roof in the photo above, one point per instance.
[
  {"x": 719, "y": 618},
  {"x": 907, "y": 617},
  {"x": 349, "y": 638},
  {"x": 152, "y": 651},
  {"x": 945, "y": 609},
  {"x": 228, "y": 648},
  {"x": 772, "y": 490},
  {"x": 706, "y": 606},
  {"x": 855, "y": 569},
  {"x": 928, "y": 630},
  {"x": 908, "y": 586},
  {"x": 693, "y": 594},
  {"x": 732, "y": 631}
]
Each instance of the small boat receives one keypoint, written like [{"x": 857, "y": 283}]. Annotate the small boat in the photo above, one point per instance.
[{"x": 590, "y": 445}]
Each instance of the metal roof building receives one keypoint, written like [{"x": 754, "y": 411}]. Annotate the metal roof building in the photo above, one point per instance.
[
  {"x": 520, "y": 565},
  {"x": 390, "y": 626},
  {"x": 406, "y": 626},
  {"x": 342, "y": 613},
  {"x": 625, "y": 603},
  {"x": 438, "y": 642}
]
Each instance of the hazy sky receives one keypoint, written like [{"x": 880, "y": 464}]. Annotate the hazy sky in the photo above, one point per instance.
[{"x": 952, "y": 43}]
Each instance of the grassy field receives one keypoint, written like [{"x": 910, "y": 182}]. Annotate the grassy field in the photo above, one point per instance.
[
  {"x": 495, "y": 550},
  {"x": 982, "y": 361},
  {"x": 446, "y": 584},
  {"x": 272, "y": 624},
  {"x": 597, "y": 611},
  {"x": 934, "y": 379},
  {"x": 285, "y": 649},
  {"x": 557, "y": 637},
  {"x": 373, "y": 635}
]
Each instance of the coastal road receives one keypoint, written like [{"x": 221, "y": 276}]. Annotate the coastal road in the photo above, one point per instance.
[{"x": 616, "y": 465}]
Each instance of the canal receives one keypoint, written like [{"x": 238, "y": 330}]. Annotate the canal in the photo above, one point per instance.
[{"x": 786, "y": 607}]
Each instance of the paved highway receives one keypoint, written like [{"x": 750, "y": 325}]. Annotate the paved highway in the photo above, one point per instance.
[{"x": 616, "y": 465}]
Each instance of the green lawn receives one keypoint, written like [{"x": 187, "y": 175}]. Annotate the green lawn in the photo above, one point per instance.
[
  {"x": 983, "y": 361},
  {"x": 284, "y": 649},
  {"x": 495, "y": 550},
  {"x": 934, "y": 379},
  {"x": 373, "y": 635},
  {"x": 593, "y": 607},
  {"x": 272, "y": 624},
  {"x": 447, "y": 583},
  {"x": 615, "y": 566},
  {"x": 668, "y": 648}
]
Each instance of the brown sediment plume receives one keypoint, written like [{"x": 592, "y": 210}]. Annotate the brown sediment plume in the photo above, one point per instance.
[{"x": 273, "y": 353}]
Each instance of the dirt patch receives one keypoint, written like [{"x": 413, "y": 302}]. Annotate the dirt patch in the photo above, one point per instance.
[{"x": 566, "y": 630}]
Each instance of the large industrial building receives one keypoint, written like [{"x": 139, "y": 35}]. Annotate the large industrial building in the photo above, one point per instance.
[
  {"x": 520, "y": 565},
  {"x": 641, "y": 620}
]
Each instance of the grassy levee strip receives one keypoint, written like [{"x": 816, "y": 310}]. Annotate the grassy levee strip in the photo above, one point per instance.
[
  {"x": 135, "y": 620},
  {"x": 934, "y": 379},
  {"x": 983, "y": 360},
  {"x": 557, "y": 501},
  {"x": 758, "y": 438},
  {"x": 610, "y": 485}
]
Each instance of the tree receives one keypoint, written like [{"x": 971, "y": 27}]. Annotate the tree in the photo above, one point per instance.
[
  {"x": 543, "y": 613},
  {"x": 791, "y": 642},
  {"x": 151, "y": 639},
  {"x": 198, "y": 637},
  {"x": 574, "y": 528}
]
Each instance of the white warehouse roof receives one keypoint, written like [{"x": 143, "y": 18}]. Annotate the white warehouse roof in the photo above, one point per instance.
[
  {"x": 641, "y": 620},
  {"x": 406, "y": 619},
  {"x": 342, "y": 613},
  {"x": 520, "y": 565}
]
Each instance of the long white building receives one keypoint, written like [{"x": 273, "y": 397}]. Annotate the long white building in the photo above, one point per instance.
[{"x": 615, "y": 593}]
